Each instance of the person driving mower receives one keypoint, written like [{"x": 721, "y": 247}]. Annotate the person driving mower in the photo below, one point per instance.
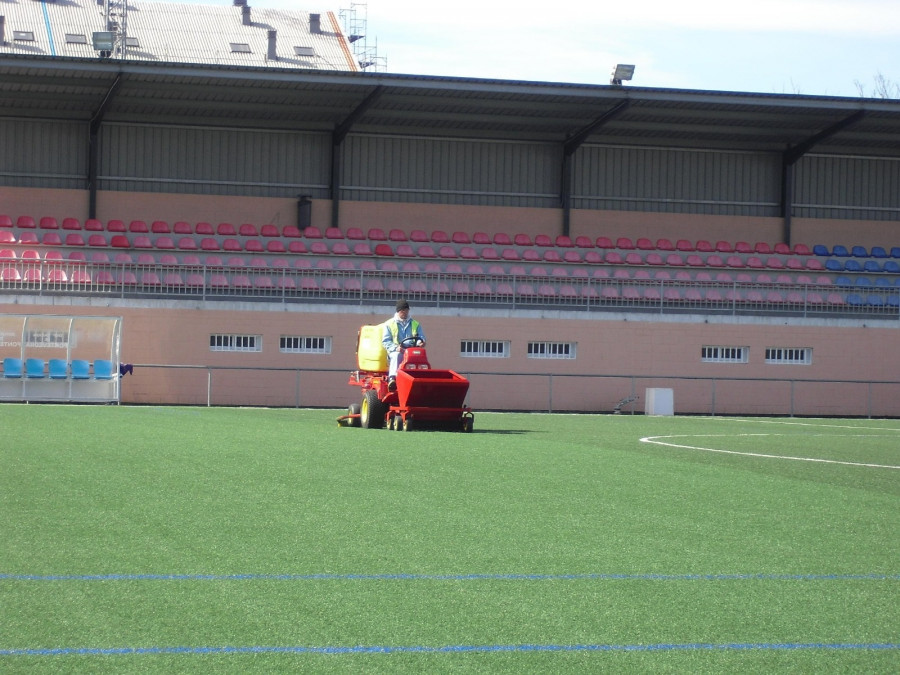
[{"x": 398, "y": 328}]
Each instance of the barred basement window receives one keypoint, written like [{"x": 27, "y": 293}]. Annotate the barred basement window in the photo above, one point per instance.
[
  {"x": 295, "y": 344},
  {"x": 799, "y": 356},
  {"x": 235, "y": 343},
  {"x": 485, "y": 348},
  {"x": 724, "y": 354},
  {"x": 551, "y": 350}
]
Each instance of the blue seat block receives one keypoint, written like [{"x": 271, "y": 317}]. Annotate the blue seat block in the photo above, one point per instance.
[
  {"x": 59, "y": 369},
  {"x": 859, "y": 252},
  {"x": 81, "y": 369},
  {"x": 34, "y": 368},
  {"x": 872, "y": 266},
  {"x": 12, "y": 367},
  {"x": 840, "y": 251},
  {"x": 852, "y": 266},
  {"x": 834, "y": 265},
  {"x": 820, "y": 249},
  {"x": 892, "y": 267},
  {"x": 103, "y": 369},
  {"x": 878, "y": 252}
]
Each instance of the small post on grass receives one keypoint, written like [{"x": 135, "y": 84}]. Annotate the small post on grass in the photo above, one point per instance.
[{"x": 208, "y": 387}]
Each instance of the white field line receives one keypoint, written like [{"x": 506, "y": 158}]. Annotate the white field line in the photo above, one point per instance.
[{"x": 655, "y": 440}]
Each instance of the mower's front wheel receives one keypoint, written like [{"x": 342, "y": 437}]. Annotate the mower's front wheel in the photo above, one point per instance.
[
  {"x": 353, "y": 413},
  {"x": 372, "y": 410}
]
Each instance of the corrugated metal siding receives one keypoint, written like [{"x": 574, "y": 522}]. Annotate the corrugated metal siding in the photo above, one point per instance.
[
  {"x": 676, "y": 181},
  {"x": 148, "y": 158},
  {"x": 43, "y": 153},
  {"x": 865, "y": 188},
  {"x": 450, "y": 171}
]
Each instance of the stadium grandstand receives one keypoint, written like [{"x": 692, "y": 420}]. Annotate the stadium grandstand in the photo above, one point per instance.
[{"x": 230, "y": 194}]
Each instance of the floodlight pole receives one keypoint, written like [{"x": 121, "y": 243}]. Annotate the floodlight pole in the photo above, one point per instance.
[{"x": 94, "y": 145}]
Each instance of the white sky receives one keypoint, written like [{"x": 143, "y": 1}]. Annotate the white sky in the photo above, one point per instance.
[{"x": 818, "y": 47}]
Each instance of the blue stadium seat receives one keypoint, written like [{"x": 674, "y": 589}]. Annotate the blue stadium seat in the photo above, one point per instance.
[
  {"x": 103, "y": 369},
  {"x": 864, "y": 281},
  {"x": 892, "y": 267},
  {"x": 895, "y": 252},
  {"x": 893, "y": 301},
  {"x": 855, "y": 300},
  {"x": 840, "y": 251},
  {"x": 852, "y": 265},
  {"x": 12, "y": 367},
  {"x": 875, "y": 300},
  {"x": 859, "y": 252},
  {"x": 834, "y": 265},
  {"x": 872, "y": 266},
  {"x": 59, "y": 369},
  {"x": 878, "y": 252},
  {"x": 81, "y": 369},
  {"x": 34, "y": 368}
]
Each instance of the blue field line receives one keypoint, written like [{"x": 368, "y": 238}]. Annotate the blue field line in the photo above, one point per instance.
[
  {"x": 451, "y": 649},
  {"x": 449, "y": 577}
]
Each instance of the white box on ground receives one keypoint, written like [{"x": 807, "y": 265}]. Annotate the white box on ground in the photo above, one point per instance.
[{"x": 659, "y": 402}]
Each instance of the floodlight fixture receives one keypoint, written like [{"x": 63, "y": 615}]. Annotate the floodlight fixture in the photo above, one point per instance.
[
  {"x": 104, "y": 40},
  {"x": 623, "y": 71}
]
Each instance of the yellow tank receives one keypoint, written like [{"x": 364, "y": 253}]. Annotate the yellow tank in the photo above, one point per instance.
[{"x": 370, "y": 353}]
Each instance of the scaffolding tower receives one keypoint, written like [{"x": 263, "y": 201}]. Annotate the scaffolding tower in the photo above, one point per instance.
[{"x": 355, "y": 20}]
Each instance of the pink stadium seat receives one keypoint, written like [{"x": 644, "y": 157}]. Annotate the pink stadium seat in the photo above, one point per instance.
[
  {"x": 71, "y": 224},
  {"x": 182, "y": 227},
  {"x": 275, "y": 246},
  {"x": 734, "y": 261},
  {"x": 715, "y": 261},
  {"x": 634, "y": 258},
  {"x": 481, "y": 239},
  {"x": 226, "y": 230},
  {"x": 743, "y": 247},
  {"x": 624, "y": 243},
  {"x": 118, "y": 241},
  {"x": 604, "y": 242},
  {"x": 383, "y": 249},
  {"x": 93, "y": 225},
  {"x": 447, "y": 252},
  {"x": 116, "y": 225},
  {"x": 270, "y": 230},
  {"x": 248, "y": 230},
  {"x": 685, "y": 245},
  {"x": 489, "y": 253},
  {"x": 440, "y": 237},
  {"x": 755, "y": 262},
  {"x": 509, "y": 254},
  {"x": 614, "y": 258},
  {"x": 187, "y": 244},
  {"x": 138, "y": 226},
  {"x": 704, "y": 246},
  {"x": 552, "y": 255},
  {"x": 160, "y": 227},
  {"x": 801, "y": 249},
  {"x": 397, "y": 235},
  {"x": 724, "y": 247},
  {"x": 142, "y": 241},
  {"x": 502, "y": 239},
  {"x": 48, "y": 223},
  {"x": 51, "y": 239},
  {"x": 291, "y": 231},
  {"x": 98, "y": 240},
  {"x": 405, "y": 251},
  {"x": 207, "y": 244},
  {"x": 232, "y": 245},
  {"x": 164, "y": 243},
  {"x": 340, "y": 248},
  {"x": 356, "y": 234},
  {"x": 695, "y": 260},
  {"x": 774, "y": 263},
  {"x": 362, "y": 248},
  {"x": 254, "y": 246},
  {"x": 318, "y": 247},
  {"x": 426, "y": 251},
  {"x": 376, "y": 234},
  {"x": 173, "y": 279},
  {"x": 205, "y": 229},
  {"x": 468, "y": 253},
  {"x": 293, "y": 247},
  {"x": 522, "y": 239},
  {"x": 644, "y": 244},
  {"x": 582, "y": 241},
  {"x": 147, "y": 279},
  {"x": 781, "y": 249},
  {"x": 28, "y": 237},
  {"x": 762, "y": 248},
  {"x": 460, "y": 237},
  {"x": 654, "y": 259}
]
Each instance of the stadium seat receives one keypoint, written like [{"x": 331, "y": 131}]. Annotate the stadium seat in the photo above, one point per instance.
[
  {"x": 160, "y": 227},
  {"x": 704, "y": 246},
  {"x": 604, "y": 242},
  {"x": 81, "y": 369},
  {"x": 116, "y": 225},
  {"x": 582, "y": 241},
  {"x": 840, "y": 251},
  {"x": 503, "y": 239},
  {"x": 58, "y": 369},
  {"x": 164, "y": 243},
  {"x": 270, "y": 230},
  {"x": 103, "y": 369},
  {"x": 562, "y": 241},
  {"x": 205, "y": 229},
  {"x": 138, "y": 226},
  {"x": 13, "y": 367},
  {"x": 232, "y": 244},
  {"x": 801, "y": 249},
  {"x": 820, "y": 250},
  {"x": 118, "y": 241},
  {"x": 34, "y": 368},
  {"x": 74, "y": 239},
  {"x": 93, "y": 225},
  {"x": 743, "y": 247},
  {"x": 878, "y": 252},
  {"x": 724, "y": 247},
  {"x": 51, "y": 239},
  {"x": 624, "y": 243},
  {"x": 644, "y": 244},
  {"x": 206, "y": 244}
]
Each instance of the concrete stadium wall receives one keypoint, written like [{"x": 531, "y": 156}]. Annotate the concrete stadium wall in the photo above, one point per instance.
[{"x": 617, "y": 355}]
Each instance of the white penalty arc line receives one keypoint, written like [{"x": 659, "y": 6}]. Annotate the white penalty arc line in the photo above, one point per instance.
[{"x": 654, "y": 440}]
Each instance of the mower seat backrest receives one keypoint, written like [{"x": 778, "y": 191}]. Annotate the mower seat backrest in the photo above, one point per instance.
[{"x": 370, "y": 353}]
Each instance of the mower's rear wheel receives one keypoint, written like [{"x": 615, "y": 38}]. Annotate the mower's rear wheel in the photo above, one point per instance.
[{"x": 372, "y": 410}]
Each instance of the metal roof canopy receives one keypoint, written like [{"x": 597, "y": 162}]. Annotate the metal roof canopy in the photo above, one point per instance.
[{"x": 332, "y": 101}]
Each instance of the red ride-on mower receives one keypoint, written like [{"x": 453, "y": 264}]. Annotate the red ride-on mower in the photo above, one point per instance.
[{"x": 424, "y": 398}]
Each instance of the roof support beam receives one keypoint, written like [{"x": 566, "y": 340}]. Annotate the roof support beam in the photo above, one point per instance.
[
  {"x": 337, "y": 139},
  {"x": 572, "y": 144},
  {"x": 94, "y": 144},
  {"x": 792, "y": 155}
]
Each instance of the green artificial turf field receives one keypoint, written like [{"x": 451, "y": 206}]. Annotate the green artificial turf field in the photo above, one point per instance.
[{"x": 159, "y": 539}]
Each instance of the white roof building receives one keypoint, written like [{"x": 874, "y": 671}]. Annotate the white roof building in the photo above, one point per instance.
[{"x": 162, "y": 32}]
